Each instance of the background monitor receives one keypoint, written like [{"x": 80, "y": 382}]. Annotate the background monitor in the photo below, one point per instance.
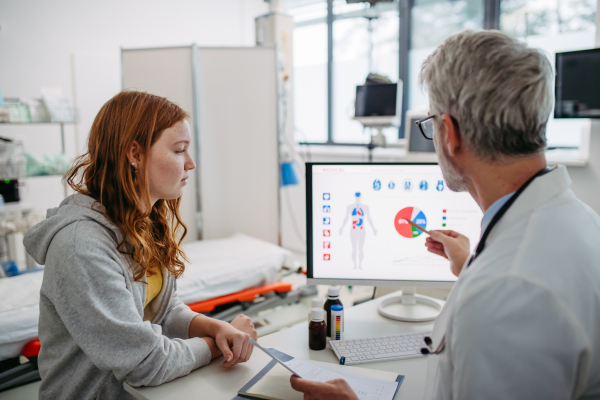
[
  {"x": 416, "y": 143},
  {"x": 355, "y": 228},
  {"x": 376, "y": 100},
  {"x": 577, "y": 84}
]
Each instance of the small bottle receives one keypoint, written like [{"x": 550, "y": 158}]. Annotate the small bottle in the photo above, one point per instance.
[
  {"x": 317, "y": 302},
  {"x": 317, "y": 340},
  {"x": 333, "y": 297},
  {"x": 337, "y": 322}
]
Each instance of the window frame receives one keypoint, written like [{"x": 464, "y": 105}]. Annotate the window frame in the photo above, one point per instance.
[{"x": 491, "y": 21}]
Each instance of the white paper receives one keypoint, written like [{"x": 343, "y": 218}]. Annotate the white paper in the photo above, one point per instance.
[{"x": 365, "y": 388}]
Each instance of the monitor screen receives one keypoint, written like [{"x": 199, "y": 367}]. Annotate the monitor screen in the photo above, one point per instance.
[
  {"x": 376, "y": 100},
  {"x": 356, "y": 228},
  {"x": 577, "y": 84},
  {"x": 416, "y": 141}
]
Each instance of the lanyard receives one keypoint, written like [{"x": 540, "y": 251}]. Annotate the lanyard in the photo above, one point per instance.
[
  {"x": 442, "y": 345},
  {"x": 501, "y": 213}
]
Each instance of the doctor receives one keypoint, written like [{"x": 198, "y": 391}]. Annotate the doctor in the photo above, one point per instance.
[{"x": 523, "y": 320}]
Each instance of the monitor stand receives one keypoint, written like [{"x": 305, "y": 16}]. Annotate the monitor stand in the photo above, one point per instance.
[{"x": 410, "y": 306}]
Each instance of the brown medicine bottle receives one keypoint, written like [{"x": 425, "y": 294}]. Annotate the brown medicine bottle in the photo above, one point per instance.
[{"x": 317, "y": 338}]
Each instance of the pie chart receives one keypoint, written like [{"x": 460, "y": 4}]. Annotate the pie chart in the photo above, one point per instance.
[{"x": 413, "y": 214}]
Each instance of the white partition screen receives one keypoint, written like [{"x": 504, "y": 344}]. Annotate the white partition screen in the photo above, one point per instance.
[
  {"x": 231, "y": 95},
  {"x": 237, "y": 115}
]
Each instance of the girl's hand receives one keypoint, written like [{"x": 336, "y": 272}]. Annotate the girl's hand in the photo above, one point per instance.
[
  {"x": 234, "y": 343},
  {"x": 244, "y": 324}
]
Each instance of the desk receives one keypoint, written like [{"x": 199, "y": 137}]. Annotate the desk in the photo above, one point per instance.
[{"x": 211, "y": 382}]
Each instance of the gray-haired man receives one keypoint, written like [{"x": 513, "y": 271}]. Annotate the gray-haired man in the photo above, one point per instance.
[{"x": 523, "y": 320}]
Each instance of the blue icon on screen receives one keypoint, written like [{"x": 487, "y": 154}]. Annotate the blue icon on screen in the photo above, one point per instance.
[
  {"x": 326, "y": 221},
  {"x": 326, "y": 209},
  {"x": 423, "y": 185},
  {"x": 376, "y": 184},
  {"x": 326, "y": 196},
  {"x": 391, "y": 185},
  {"x": 407, "y": 185},
  {"x": 440, "y": 186}
]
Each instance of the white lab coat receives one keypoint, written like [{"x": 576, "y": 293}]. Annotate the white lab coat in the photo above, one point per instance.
[{"x": 523, "y": 321}]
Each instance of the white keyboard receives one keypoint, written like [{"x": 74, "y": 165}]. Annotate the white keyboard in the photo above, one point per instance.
[{"x": 377, "y": 349}]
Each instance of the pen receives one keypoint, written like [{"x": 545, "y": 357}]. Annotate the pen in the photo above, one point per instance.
[{"x": 416, "y": 226}]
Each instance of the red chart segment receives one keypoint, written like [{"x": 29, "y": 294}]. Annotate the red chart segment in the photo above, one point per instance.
[
  {"x": 403, "y": 227},
  {"x": 412, "y": 214}
]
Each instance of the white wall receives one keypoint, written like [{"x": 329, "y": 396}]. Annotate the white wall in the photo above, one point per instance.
[
  {"x": 76, "y": 45},
  {"x": 38, "y": 37}
]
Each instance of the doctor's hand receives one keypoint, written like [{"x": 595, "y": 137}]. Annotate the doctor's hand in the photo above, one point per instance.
[
  {"x": 234, "y": 342},
  {"x": 337, "y": 389},
  {"x": 450, "y": 245}
]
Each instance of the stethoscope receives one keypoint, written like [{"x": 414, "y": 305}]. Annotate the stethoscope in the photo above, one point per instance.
[{"x": 440, "y": 348}]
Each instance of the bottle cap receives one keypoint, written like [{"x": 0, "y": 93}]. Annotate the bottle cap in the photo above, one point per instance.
[
  {"x": 316, "y": 314},
  {"x": 337, "y": 307},
  {"x": 317, "y": 302},
  {"x": 333, "y": 291}
]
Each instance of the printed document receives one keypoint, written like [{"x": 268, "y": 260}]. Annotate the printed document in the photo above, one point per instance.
[{"x": 364, "y": 387}]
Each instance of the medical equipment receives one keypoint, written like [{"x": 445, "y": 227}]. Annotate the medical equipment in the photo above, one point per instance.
[
  {"x": 377, "y": 349},
  {"x": 378, "y": 107},
  {"x": 577, "y": 84},
  {"x": 224, "y": 278},
  {"x": 378, "y": 247},
  {"x": 373, "y": 100}
]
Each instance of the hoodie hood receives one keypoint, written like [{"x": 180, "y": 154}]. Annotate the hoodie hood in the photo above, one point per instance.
[{"x": 77, "y": 207}]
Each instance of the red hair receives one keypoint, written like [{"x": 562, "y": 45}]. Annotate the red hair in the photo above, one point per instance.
[{"x": 104, "y": 173}]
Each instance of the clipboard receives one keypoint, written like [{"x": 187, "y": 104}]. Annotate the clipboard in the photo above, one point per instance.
[{"x": 270, "y": 366}]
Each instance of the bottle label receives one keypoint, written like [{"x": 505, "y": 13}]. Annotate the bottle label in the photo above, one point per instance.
[{"x": 336, "y": 325}]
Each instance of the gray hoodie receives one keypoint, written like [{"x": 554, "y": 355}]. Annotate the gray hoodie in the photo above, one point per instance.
[{"x": 94, "y": 331}]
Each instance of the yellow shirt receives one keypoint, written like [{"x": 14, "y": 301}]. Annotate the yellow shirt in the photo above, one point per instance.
[{"x": 154, "y": 285}]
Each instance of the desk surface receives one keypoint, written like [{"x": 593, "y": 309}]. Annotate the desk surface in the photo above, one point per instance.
[{"x": 211, "y": 382}]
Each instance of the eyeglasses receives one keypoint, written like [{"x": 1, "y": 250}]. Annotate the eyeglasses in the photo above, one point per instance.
[{"x": 426, "y": 127}]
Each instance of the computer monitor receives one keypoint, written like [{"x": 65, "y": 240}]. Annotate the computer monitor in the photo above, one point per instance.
[
  {"x": 416, "y": 143},
  {"x": 356, "y": 228},
  {"x": 577, "y": 84},
  {"x": 375, "y": 100}
]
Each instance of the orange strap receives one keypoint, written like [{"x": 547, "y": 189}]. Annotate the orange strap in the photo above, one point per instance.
[{"x": 244, "y": 295}]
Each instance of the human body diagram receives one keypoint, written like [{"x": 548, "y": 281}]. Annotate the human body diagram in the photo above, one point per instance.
[{"x": 359, "y": 213}]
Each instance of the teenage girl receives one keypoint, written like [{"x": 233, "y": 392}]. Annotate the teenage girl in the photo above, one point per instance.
[{"x": 109, "y": 310}]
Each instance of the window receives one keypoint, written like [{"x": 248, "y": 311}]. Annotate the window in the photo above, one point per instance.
[
  {"x": 554, "y": 26},
  {"x": 394, "y": 38},
  {"x": 432, "y": 22},
  {"x": 310, "y": 69},
  {"x": 365, "y": 39}
]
